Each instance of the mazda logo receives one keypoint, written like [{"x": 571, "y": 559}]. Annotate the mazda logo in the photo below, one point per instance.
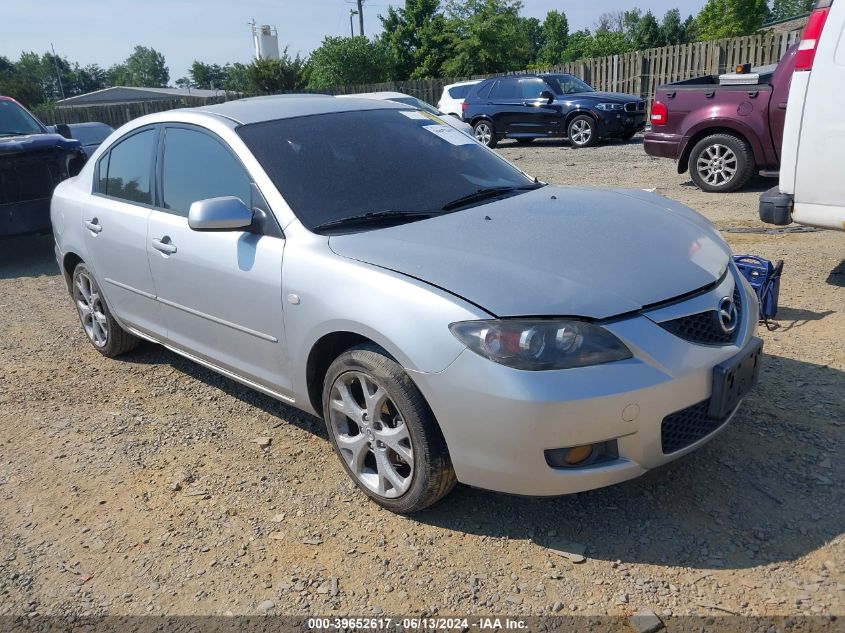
[{"x": 728, "y": 315}]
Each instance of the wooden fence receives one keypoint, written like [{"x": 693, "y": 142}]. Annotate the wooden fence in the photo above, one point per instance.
[{"x": 638, "y": 73}]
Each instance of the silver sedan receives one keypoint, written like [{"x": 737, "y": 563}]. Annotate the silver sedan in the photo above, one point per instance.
[{"x": 450, "y": 318}]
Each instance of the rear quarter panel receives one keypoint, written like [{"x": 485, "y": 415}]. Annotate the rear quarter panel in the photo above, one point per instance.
[{"x": 66, "y": 208}]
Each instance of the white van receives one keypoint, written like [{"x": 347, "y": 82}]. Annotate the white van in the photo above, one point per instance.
[{"x": 811, "y": 190}]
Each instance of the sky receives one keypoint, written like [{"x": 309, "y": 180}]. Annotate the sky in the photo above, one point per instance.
[{"x": 217, "y": 31}]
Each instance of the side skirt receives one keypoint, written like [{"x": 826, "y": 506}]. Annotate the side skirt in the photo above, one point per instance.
[{"x": 215, "y": 368}]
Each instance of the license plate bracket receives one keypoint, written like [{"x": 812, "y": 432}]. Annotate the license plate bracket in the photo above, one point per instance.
[{"x": 734, "y": 378}]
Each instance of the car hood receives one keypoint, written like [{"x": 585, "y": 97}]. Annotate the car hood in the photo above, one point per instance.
[
  {"x": 554, "y": 252},
  {"x": 37, "y": 142}
]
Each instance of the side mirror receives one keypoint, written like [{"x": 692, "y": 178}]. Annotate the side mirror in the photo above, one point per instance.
[
  {"x": 64, "y": 130},
  {"x": 219, "y": 214},
  {"x": 547, "y": 95}
]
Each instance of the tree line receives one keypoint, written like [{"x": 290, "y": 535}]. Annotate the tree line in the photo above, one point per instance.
[{"x": 419, "y": 40}]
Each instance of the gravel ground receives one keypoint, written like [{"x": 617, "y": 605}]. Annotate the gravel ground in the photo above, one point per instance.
[{"x": 134, "y": 486}]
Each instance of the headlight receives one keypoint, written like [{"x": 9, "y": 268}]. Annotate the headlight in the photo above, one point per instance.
[
  {"x": 535, "y": 345},
  {"x": 610, "y": 106}
]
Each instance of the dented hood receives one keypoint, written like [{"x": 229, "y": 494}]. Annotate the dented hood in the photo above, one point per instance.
[{"x": 554, "y": 252}]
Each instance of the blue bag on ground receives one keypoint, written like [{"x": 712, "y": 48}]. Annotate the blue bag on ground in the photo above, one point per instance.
[{"x": 764, "y": 277}]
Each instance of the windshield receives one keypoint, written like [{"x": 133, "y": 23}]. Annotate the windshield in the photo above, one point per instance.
[
  {"x": 334, "y": 166},
  {"x": 14, "y": 120},
  {"x": 567, "y": 84},
  {"x": 416, "y": 103}
]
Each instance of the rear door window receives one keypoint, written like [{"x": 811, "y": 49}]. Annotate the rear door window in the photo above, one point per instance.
[
  {"x": 458, "y": 92},
  {"x": 507, "y": 88},
  {"x": 129, "y": 165},
  {"x": 484, "y": 90}
]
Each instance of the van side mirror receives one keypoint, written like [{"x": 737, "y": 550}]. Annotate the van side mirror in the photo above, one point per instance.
[
  {"x": 227, "y": 213},
  {"x": 64, "y": 130}
]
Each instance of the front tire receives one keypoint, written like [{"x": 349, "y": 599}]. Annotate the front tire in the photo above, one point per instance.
[
  {"x": 583, "y": 131},
  {"x": 485, "y": 133},
  {"x": 102, "y": 330},
  {"x": 384, "y": 432},
  {"x": 721, "y": 163}
]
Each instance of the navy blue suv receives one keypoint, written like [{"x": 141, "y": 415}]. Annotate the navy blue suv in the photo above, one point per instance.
[{"x": 525, "y": 107}]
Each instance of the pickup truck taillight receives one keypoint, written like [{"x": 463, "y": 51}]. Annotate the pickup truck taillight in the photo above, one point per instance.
[
  {"x": 659, "y": 113},
  {"x": 810, "y": 37}
]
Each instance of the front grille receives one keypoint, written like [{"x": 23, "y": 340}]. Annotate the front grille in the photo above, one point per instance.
[
  {"x": 687, "y": 426},
  {"x": 30, "y": 176},
  {"x": 705, "y": 328},
  {"x": 635, "y": 106}
]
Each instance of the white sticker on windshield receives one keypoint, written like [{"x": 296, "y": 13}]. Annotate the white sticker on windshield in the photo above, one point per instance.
[
  {"x": 450, "y": 134},
  {"x": 413, "y": 114}
]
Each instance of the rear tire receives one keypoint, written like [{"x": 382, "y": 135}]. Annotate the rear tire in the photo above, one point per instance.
[
  {"x": 582, "y": 131},
  {"x": 485, "y": 133},
  {"x": 371, "y": 407},
  {"x": 101, "y": 328},
  {"x": 721, "y": 163}
]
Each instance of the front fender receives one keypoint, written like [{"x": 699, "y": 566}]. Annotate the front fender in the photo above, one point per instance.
[{"x": 407, "y": 317}]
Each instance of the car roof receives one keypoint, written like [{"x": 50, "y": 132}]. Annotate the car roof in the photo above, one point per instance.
[
  {"x": 274, "y": 107},
  {"x": 384, "y": 95}
]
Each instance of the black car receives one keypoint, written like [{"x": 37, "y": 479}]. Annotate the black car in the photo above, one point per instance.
[{"x": 526, "y": 107}]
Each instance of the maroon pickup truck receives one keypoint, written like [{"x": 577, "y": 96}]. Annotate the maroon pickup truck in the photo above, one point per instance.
[{"x": 723, "y": 128}]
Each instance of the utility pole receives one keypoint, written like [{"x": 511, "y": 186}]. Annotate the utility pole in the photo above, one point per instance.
[
  {"x": 361, "y": 18},
  {"x": 351, "y": 28},
  {"x": 59, "y": 75}
]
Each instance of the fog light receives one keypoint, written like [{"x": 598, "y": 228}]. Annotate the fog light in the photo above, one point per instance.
[
  {"x": 582, "y": 456},
  {"x": 575, "y": 456}
]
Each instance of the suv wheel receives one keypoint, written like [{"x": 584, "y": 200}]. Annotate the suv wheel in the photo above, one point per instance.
[
  {"x": 582, "y": 131},
  {"x": 384, "y": 432},
  {"x": 721, "y": 163},
  {"x": 99, "y": 325},
  {"x": 484, "y": 133}
]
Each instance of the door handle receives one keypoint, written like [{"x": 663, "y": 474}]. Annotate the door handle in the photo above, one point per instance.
[
  {"x": 164, "y": 245},
  {"x": 93, "y": 225}
]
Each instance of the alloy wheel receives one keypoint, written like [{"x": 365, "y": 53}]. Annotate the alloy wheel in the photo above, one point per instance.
[
  {"x": 89, "y": 305},
  {"x": 581, "y": 132},
  {"x": 483, "y": 133},
  {"x": 717, "y": 165},
  {"x": 371, "y": 434}
]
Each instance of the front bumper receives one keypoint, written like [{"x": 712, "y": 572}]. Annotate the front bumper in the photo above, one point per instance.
[
  {"x": 499, "y": 422},
  {"x": 23, "y": 218}
]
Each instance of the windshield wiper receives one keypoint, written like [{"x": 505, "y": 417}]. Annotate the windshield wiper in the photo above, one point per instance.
[
  {"x": 484, "y": 194},
  {"x": 375, "y": 217}
]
